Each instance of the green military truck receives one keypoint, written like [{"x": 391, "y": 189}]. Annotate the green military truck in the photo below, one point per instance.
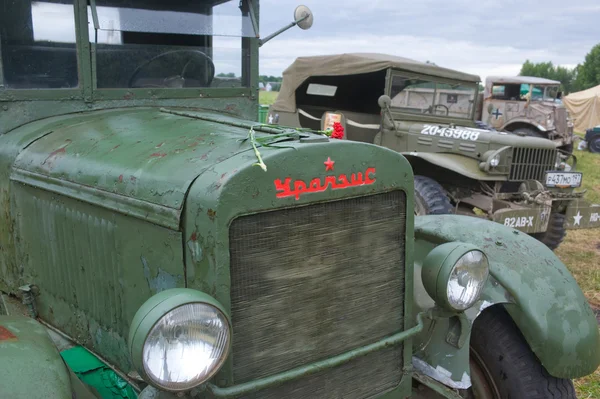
[
  {"x": 426, "y": 113},
  {"x": 157, "y": 242}
]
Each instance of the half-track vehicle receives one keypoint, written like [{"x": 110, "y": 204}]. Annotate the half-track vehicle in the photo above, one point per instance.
[
  {"x": 426, "y": 113},
  {"x": 156, "y": 241},
  {"x": 527, "y": 106}
]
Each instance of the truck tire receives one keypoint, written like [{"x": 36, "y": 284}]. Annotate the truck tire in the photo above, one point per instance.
[
  {"x": 567, "y": 148},
  {"x": 503, "y": 365},
  {"x": 556, "y": 232},
  {"x": 430, "y": 197},
  {"x": 594, "y": 144}
]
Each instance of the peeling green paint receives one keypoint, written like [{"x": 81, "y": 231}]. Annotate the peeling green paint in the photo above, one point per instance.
[{"x": 549, "y": 307}]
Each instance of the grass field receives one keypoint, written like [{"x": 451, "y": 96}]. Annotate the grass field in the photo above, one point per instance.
[
  {"x": 267, "y": 97},
  {"x": 580, "y": 251}
]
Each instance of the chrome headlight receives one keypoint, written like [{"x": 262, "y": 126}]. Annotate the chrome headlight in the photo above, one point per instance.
[
  {"x": 179, "y": 339},
  {"x": 495, "y": 160},
  {"x": 454, "y": 275}
]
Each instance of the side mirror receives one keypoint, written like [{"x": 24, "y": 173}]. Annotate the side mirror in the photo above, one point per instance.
[
  {"x": 303, "y": 17},
  {"x": 384, "y": 102}
]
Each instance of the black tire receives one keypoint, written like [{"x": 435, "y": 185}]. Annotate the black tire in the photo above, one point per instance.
[
  {"x": 556, "y": 232},
  {"x": 594, "y": 144},
  {"x": 510, "y": 370},
  {"x": 430, "y": 197},
  {"x": 526, "y": 131},
  {"x": 567, "y": 149}
]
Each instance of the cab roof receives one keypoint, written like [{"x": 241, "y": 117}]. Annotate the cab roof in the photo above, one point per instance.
[
  {"x": 521, "y": 80},
  {"x": 350, "y": 64}
]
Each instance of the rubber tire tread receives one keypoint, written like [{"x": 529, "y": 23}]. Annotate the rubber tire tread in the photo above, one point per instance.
[
  {"x": 433, "y": 196},
  {"x": 568, "y": 148},
  {"x": 515, "y": 369},
  {"x": 594, "y": 145},
  {"x": 556, "y": 232}
]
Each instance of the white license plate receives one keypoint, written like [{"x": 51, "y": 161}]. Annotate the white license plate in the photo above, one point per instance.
[{"x": 563, "y": 179}]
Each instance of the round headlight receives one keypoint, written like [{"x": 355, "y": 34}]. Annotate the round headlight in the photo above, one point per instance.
[
  {"x": 467, "y": 279},
  {"x": 179, "y": 339},
  {"x": 454, "y": 275},
  {"x": 495, "y": 161}
]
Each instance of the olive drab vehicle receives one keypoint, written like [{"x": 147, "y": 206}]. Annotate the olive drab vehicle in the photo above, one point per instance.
[
  {"x": 426, "y": 113},
  {"x": 156, "y": 241},
  {"x": 527, "y": 106}
]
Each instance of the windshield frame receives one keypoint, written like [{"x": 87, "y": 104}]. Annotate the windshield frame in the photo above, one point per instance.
[
  {"x": 392, "y": 72},
  {"x": 544, "y": 89},
  {"x": 88, "y": 91}
]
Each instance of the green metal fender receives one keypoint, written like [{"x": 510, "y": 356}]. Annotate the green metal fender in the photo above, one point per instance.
[
  {"x": 548, "y": 306},
  {"x": 457, "y": 163},
  {"x": 32, "y": 364}
]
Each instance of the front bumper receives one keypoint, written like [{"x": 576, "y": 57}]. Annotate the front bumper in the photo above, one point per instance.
[
  {"x": 528, "y": 219},
  {"x": 271, "y": 381},
  {"x": 533, "y": 218},
  {"x": 582, "y": 215}
]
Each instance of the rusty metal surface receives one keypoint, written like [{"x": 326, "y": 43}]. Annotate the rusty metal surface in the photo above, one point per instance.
[
  {"x": 549, "y": 307},
  {"x": 93, "y": 267},
  {"x": 235, "y": 187},
  {"x": 279, "y": 283},
  {"x": 141, "y": 153},
  {"x": 30, "y": 361}
]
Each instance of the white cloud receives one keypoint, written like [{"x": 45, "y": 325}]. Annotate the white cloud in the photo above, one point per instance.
[
  {"x": 465, "y": 56},
  {"x": 483, "y": 37}
]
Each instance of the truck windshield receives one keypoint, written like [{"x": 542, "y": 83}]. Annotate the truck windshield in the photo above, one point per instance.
[
  {"x": 422, "y": 96},
  {"x": 540, "y": 92},
  {"x": 174, "y": 44}
]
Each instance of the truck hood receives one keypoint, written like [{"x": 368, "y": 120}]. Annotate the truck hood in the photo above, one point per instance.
[
  {"x": 479, "y": 137},
  {"x": 101, "y": 153}
]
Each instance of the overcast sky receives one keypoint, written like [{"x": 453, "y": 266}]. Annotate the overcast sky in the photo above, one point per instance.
[{"x": 483, "y": 37}]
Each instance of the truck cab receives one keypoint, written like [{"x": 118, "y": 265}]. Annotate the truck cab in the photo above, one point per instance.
[{"x": 527, "y": 106}]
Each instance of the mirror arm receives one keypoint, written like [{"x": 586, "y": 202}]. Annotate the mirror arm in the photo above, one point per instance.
[
  {"x": 280, "y": 31},
  {"x": 92, "y": 4}
]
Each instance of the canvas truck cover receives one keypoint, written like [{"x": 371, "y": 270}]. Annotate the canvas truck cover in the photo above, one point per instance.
[
  {"x": 584, "y": 107},
  {"x": 491, "y": 80},
  {"x": 349, "y": 64}
]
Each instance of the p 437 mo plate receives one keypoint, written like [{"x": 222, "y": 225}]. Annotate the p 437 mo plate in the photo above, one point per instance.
[{"x": 563, "y": 179}]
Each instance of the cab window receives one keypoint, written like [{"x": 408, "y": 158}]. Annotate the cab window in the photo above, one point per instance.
[
  {"x": 37, "y": 42},
  {"x": 424, "y": 96},
  {"x": 175, "y": 44}
]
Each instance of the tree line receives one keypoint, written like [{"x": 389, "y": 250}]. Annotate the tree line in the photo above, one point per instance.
[{"x": 582, "y": 77}]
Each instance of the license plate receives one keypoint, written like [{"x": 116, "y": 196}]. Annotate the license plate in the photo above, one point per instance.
[{"x": 563, "y": 179}]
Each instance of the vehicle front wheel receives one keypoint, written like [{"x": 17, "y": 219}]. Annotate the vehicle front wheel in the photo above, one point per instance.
[
  {"x": 555, "y": 233},
  {"x": 430, "y": 197},
  {"x": 503, "y": 365}
]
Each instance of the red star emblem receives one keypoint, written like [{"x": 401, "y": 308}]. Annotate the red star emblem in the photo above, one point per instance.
[{"x": 328, "y": 164}]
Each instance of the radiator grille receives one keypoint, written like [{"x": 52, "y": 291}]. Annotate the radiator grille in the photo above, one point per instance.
[
  {"x": 310, "y": 283},
  {"x": 531, "y": 163},
  {"x": 560, "y": 120}
]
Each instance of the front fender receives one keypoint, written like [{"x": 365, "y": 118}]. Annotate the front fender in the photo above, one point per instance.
[
  {"x": 519, "y": 121},
  {"x": 31, "y": 364},
  {"x": 460, "y": 164},
  {"x": 547, "y": 305}
]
